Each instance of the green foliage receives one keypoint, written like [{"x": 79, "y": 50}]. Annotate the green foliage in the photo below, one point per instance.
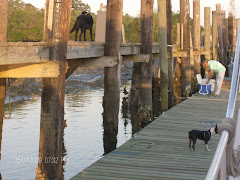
[
  {"x": 25, "y": 22},
  {"x": 79, "y": 5}
]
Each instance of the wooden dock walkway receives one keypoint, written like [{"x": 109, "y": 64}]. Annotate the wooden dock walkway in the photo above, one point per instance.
[{"x": 160, "y": 150}]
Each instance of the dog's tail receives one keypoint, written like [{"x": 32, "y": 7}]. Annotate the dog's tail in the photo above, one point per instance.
[{"x": 75, "y": 27}]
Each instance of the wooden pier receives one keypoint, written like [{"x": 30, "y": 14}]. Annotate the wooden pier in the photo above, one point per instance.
[{"x": 160, "y": 150}]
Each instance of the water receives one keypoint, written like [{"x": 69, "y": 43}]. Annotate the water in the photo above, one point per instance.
[{"x": 83, "y": 139}]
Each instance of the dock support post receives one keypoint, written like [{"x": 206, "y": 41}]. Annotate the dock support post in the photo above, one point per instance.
[
  {"x": 3, "y": 38},
  {"x": 225, "y": 39},
  {"x": 145, "y": 110},
  {"x": 171, "y": 99},
  {"x": 111, "y": 99},
  {"x": 162, "y": 28},
  {"x": 207, "y": 31},
  {"x": 53, "y": 92},
  {"x": 214, "y": 35},
  {"x": 185, "y": 61},
  {"x": 220, "y": 37},
  {"x": 230, "y": 36},
  {"x": 177, "y": 70},
  {"x": 196, "y": 41}
]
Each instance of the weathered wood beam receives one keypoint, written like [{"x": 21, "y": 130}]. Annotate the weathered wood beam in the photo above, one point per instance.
[
  {"x": 162, "y": 28},
  {"x": 38, "y": 52},
  {"x": 207, "y": 31},
  {"x": 19, "y": 53},
  {"x": 214, "y": 35},
  {"x": 70, "y": 71},
  {"x": 136, "y": 58},
  {"x": 3, "y": 38},
  {"x": 112, "y": 74},
  {"x": 53, "y": 92},
  {"x": 145, "y": 99},
  {"x": 48, "y": 69},
  {"x": 105, "y": 61},
  {"x": 171, "y": 99},
  {"x": 185, "y": 65}
]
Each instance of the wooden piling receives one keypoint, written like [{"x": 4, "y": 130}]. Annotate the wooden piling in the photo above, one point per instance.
[
  {"x": 185, "y": 61},
  {"x": 145, "y": 113},
  {"x": 214, "y": 35},
  {"x": 224, "y": 34},
  {"x": 230, "y": 34},
  {"x": 162, "y": 27},
  {"x": 237, "y": 26},
  {"x": 171, "y": 99},
  {"x": 177, "y": 70},
  {"x": 53, "y": 92},
  {"x": 220, "y": 34},
  {"x": 112, "y": 74},
  {"x": 3, "y": 38},
  {"x": 207, "y": 31},
  {"x": 196, "y": 41}
]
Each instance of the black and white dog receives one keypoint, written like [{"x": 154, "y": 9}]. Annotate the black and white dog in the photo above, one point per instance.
[{"x": 202, "y": 135}]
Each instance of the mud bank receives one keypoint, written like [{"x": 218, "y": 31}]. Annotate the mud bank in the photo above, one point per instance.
[{"x": 83, "y": 79}]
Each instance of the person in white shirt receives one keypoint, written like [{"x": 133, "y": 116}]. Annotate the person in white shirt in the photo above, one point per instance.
[{"x": 219, "y": 69}]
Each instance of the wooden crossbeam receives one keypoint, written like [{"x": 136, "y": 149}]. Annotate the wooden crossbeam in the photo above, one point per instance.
[
  {"x": 137, "y": 58},
  {"x": 46, "y": 69},
  {"x": 22, "y": 53},
  {"x": 104, "y": 61},
  {"x": 38, "y": 52}
]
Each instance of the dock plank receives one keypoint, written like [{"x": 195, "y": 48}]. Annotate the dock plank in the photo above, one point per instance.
[{"x": 170, "y": 156}]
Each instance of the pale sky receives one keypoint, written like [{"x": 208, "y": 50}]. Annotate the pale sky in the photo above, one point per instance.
[{"x": 132, "y": 7}]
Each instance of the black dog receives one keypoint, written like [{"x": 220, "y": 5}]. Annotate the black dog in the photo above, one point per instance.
[
  {"x": 84, "y": 21},
  {"x": 203, "y": 135}
]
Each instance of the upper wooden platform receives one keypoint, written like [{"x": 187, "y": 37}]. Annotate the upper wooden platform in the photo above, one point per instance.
[
  {"x": 169, "y": 156},
  {"x": 31, "y": 59}
]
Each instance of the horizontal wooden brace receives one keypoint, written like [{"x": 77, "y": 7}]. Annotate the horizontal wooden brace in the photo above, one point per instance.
[
  {"x": 38, "y": 52},
  {"x": 137, "y": 58},
  {"x": 46, "y": 69},
  {"x": 104, "y": 61}
]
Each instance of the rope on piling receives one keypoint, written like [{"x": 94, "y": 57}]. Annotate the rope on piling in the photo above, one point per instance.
[{"x": 232, "y": 156}]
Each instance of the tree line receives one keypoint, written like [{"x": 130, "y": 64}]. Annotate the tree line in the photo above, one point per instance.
[{"x": 26, "y": 23}]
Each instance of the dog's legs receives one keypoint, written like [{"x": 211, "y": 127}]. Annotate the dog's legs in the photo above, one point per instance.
[
  {"x": 190, "y": 141},
  {"x": 206, "y": 147},
  {"x": 76, "y": 34},
  {"x": 85, "y": 34},
  {"x": 194, "y": 142},
  {"x": 91, "y": 33},
  {"x": 80, "y": 37}
]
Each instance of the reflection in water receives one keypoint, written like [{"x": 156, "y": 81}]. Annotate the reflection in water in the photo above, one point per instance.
[
  {"x": 83, "y": 136},
  {"x": 1, "y": 126}
]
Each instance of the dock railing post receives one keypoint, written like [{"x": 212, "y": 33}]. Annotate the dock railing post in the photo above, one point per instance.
[
  {"x": 146, "y": 67},
  {"x": 53, "y": 92},
  {"x": 171, "y": 99},
  {"x": 162, "y": 28},
  {"x": 111, "y": 98},
  {"x": 3, "y": 38},
  {"x": 185, "y": 61},
  {"x": 196, "y": 41}
]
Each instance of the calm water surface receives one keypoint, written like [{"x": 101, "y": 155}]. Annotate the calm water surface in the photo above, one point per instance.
[{"x": 83, "y": 139}]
